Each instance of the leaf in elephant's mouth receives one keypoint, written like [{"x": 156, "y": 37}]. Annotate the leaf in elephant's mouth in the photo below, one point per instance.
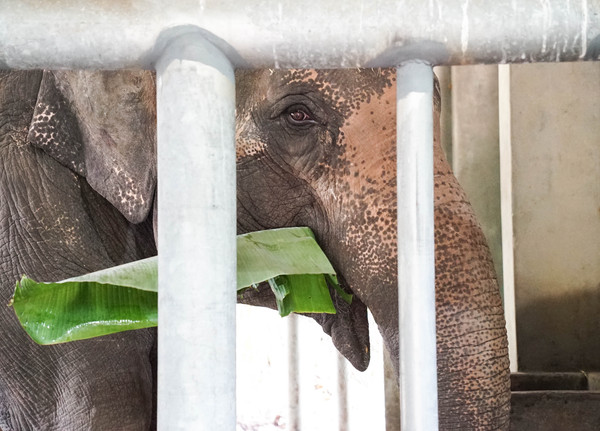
[{"x": 125, "y": 297}]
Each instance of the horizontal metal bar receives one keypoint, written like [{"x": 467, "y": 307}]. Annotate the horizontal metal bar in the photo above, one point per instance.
[{"x": 288, "y": 33}]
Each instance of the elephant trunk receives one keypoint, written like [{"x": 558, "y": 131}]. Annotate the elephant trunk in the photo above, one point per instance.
[
  {"x": 472, "y": 348},
  {"x": 473, "y": 366}
]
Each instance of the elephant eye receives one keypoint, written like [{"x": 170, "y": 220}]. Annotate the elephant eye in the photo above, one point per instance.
[{"x": 299, "y": 116}]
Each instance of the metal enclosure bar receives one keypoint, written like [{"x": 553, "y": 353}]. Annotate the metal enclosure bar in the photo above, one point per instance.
[
  {"x": 197, "y": 228},
  {"x": 416, "y": 266},
  {"x": 506, "y": 209},
  {"x": 287, "y": 33},
  {"x": 293, "y": 375}
]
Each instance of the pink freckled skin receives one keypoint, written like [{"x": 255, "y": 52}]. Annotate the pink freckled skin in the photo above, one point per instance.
[{"x": 337, "y": 176}]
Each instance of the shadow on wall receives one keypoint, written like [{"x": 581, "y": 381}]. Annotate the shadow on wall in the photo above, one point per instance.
[{"x": 562, "y": 333}]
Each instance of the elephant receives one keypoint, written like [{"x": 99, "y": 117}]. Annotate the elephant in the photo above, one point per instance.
[
  {"x": 317, "y": 148},
  {"x": 76, "y": 192},
  {"x": 314, "y": 148}
]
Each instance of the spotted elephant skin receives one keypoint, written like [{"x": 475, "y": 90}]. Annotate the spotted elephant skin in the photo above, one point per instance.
[{"x": 317, "y": 149}]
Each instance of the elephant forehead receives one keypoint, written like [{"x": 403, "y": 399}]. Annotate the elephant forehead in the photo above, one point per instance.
[{"x": 344, "y": 89}]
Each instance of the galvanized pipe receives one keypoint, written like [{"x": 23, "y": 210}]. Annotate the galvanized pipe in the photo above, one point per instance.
[
  {"x": 287, "y": 33},
  {"x": 196, "y": 230},
  {"x": 416, "y": 265}
]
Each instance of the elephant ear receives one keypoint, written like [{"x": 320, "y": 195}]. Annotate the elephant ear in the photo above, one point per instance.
[{"x": 102, "y": 125}]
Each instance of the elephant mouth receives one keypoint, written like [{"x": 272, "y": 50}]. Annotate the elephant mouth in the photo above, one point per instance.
[{"x": 348, "y": 328}]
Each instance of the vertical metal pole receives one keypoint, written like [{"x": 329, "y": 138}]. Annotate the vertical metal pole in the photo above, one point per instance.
[
  {"x": 506, "y": 210},
  {"x": 416, "y": 266},
  {"x": 342, "y": 386},
  {"x": 293, "y": 374},
  {"x": 196, "y": 230}
]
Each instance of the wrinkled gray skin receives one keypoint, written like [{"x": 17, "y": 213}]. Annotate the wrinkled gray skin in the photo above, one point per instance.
[
  {"x": 77, "y": 156},
  {"x": 313, "y": 148}
]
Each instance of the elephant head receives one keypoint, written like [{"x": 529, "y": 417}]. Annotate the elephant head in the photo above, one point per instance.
[{"x": 317, "y": 149}]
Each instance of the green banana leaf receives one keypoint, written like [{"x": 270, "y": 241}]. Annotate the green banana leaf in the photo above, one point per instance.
[
  {"x": 125, "y": 297},
  {"x": 67, "y": 311},
  {"x": 295, "y": 266}
]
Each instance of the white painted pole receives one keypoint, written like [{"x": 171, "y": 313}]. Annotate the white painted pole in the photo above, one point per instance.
[
  {"x": 416, "y": 266},
  {"x": 293, "y": 374},
  {"x": 506, "y": 212},
  {"x": 342, "y": 393},
  {"x": 196, "y": 231}
]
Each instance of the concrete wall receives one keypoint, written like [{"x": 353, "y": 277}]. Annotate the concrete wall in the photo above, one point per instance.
[
  {"x": 556, "y": 199},
  {"x": 556, "y": 179}
]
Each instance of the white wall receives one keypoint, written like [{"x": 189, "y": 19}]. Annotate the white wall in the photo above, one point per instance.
[{"x": 263, "y": 384}]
